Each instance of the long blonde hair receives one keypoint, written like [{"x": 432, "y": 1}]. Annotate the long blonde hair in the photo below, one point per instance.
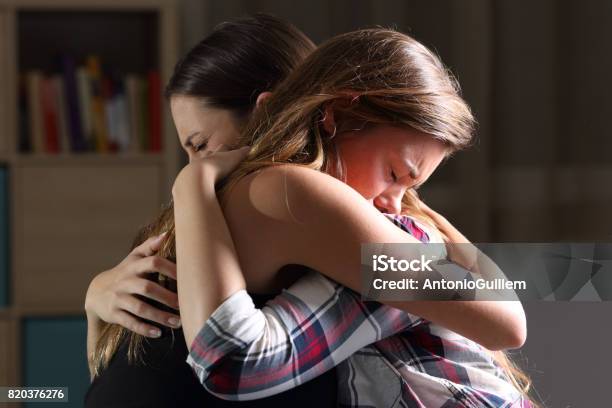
[{"x": 374, "y": 77}]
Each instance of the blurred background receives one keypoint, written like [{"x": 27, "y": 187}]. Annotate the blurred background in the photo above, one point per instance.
[{"x": 74, "y": 188}]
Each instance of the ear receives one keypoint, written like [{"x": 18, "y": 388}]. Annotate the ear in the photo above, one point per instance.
[
  {"x": 329, "y": 123},
  {"x": 261, "y": 98}
]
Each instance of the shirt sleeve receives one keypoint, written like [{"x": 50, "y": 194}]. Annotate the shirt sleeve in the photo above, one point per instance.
[{"x": 245, "y": 353}]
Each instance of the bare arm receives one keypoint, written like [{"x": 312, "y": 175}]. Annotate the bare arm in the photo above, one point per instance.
[
  {"x": 203, "y": 243},
  {"x": 260, "y": 218},
  {"x": 323, "y": 224}
]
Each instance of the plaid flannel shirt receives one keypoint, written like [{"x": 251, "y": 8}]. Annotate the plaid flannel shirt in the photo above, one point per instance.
[{"x": 384, "y": 357}]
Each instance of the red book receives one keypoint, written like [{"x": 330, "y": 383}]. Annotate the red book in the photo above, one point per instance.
[
  {"x": 50, "y": 119},
  {"x": 154, "y": 111}
]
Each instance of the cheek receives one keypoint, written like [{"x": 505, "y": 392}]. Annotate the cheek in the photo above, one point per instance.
[{"x": 364, "y": 172}]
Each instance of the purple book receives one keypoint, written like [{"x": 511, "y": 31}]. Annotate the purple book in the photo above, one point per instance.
[{"x": 77, "y": 142}]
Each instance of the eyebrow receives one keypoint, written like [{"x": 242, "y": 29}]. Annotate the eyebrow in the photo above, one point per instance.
[
  {"x": 414, "y": 172},
  {"x": 190, "y": 138}
]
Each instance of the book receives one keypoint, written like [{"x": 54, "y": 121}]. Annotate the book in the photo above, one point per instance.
[
  {"x": 110, "y": 116},
  {"x": 98, "y": 114},
  {"x": 85, "y": 110},
  {"x": 37, "y": 138},
  {"x": 122, "y": 116},
  {"x": 62, "y": 114},
  {"x": 25, "y": 145},
  {"x": 49, "y": 115},
  {"x": 77, "y": 141}
]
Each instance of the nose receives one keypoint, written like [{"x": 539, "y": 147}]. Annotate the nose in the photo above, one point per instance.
[{"x": 390, "y": 201}]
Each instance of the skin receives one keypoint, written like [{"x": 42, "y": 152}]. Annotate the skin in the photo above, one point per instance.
[
  {"x": 111, "y": 297},
  {"x": 112, "y": 294},
  {"x": 291, "y": 208},
  {"x": 202, "y": 130},
  {"x": 397, "y": 159}
]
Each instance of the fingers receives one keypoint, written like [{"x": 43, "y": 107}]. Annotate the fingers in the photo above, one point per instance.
[
  {"x": 143, "y": 310},
  {"x": 132, "y": 323},
  {"x": 152, "y": 290},
  {"x": 150, "y": 246},
  {"x": 154, "y": 264}
]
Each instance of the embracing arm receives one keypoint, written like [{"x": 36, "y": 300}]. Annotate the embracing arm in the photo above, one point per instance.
[
  {"x": 273, "y": 343},
  {"x": 306, "y": 330},
  {"x": 313, "y": 219},
  {"x": 245, "y": 353},
  {"x": 322, "y": 228}
]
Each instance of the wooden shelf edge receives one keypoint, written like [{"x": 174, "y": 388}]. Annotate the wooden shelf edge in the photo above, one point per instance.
[
  {"x": 69, "y": 159},
  {"x": 32, "y": 311}
]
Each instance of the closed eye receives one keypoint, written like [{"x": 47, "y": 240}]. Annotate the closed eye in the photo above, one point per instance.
[
  {"x": 393, "y": 176},
  {"x": 199, "y": 146}
]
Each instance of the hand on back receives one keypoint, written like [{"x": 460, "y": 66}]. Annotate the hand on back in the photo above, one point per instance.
[{"x": 114, "y": 295}]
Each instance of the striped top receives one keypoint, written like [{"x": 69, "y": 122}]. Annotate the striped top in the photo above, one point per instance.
[{"x": 385, "y": 357}]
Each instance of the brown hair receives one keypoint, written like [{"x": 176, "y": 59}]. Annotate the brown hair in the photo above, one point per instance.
[
  {"x": 372, "y": 77},
  {"x": 227, "y": 70}
]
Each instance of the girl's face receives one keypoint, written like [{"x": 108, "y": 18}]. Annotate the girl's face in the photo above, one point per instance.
[
  {"x": 382, "y": 162},
  {"x": 201, "y": 129}
]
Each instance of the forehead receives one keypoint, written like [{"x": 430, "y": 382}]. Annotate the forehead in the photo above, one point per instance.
[
  {"x": 191, "y": 115},
  {"x": 412, "y": 145}
]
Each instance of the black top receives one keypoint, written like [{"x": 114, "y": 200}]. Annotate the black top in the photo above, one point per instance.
[{"x": 166, "y": 380}]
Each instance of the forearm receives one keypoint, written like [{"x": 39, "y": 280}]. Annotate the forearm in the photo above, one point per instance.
[
  {"x": 494, "y": 320},
  {"x": 208, "y": 271},
  {"x": 496, "y": 325},
  {"x": 303, "y": 332}
]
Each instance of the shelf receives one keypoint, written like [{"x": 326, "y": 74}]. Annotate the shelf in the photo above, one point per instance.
[
  {"x": 6, "y": 312},
  {"x": 74, "y": 214},
  {"x": 84, "y": 159},
  {"x": 18, "y": 312},
  {"x": 46, "y": 311}
]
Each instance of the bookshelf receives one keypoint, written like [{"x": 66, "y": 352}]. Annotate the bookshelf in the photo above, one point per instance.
[{"x": 69, "y": 212}]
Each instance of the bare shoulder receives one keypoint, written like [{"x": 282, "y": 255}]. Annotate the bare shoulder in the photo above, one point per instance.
[
  {"x": 272, "y": 216},
  {"x": 290, "y": 214},
  {"x": 290, "y": 193}
]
